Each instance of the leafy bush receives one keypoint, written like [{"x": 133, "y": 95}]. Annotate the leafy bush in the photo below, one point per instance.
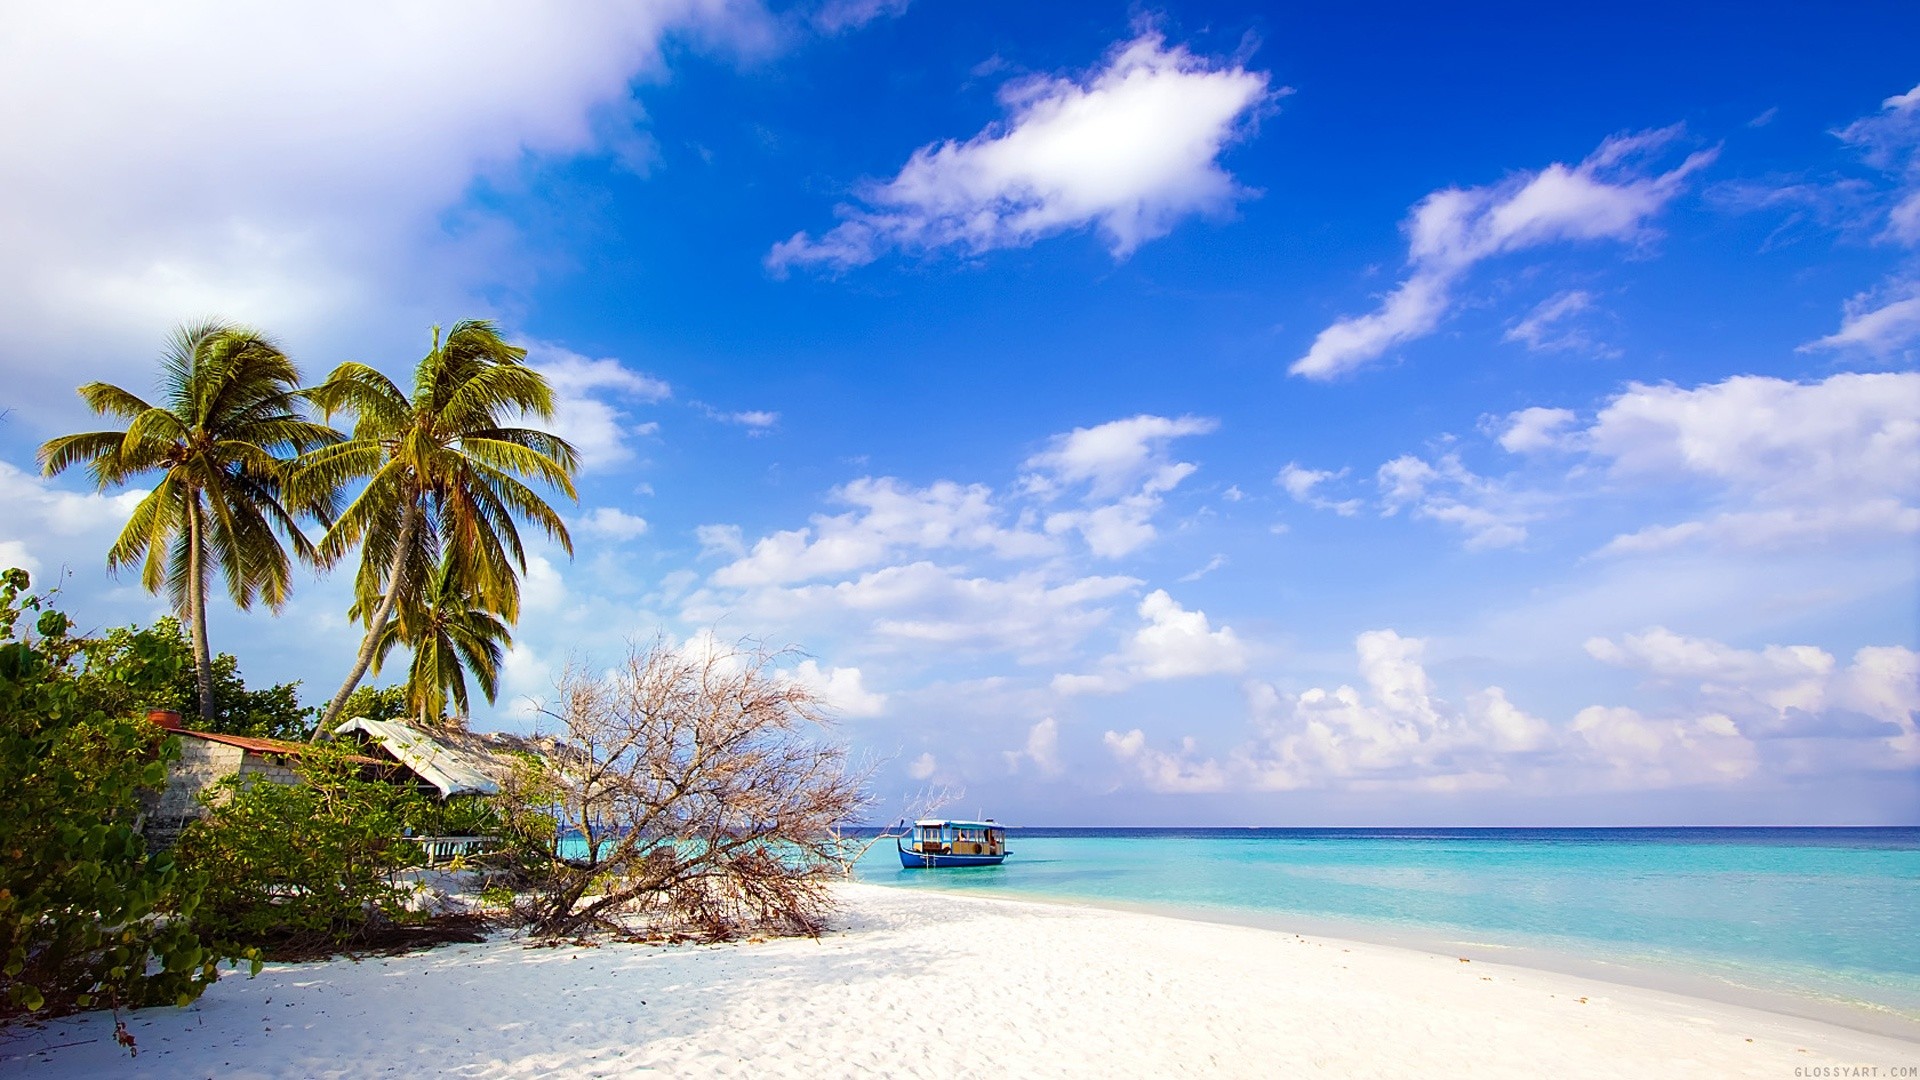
[
  {"x": 88, "y": 917},
  {"x": 273, "y": 713},
  {"x": 385, "y": 703},
  {"x": 300, "y": 867}
]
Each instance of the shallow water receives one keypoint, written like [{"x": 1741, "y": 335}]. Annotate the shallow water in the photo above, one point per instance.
[{"x": 1829, "y": 914}]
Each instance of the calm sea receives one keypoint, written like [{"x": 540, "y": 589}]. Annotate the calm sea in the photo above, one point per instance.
[{"x": 1829, "y": 916}]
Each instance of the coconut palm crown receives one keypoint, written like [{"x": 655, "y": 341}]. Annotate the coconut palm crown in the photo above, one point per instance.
[
  {"x": 221, "y": 439},
  {"x": 444, "y": 479},
  {"x": 450, "y": 635}
]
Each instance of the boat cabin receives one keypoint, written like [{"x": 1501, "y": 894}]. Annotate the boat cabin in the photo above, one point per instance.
[{"x": 982, "y": 839}]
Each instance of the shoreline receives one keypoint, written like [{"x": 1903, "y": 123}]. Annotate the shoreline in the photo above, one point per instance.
[
  {"x": 1677, "y": 979},
  {"x": 925, "y": 983}
]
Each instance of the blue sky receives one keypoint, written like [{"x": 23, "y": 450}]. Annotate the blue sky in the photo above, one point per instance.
[{"x": 1173, "y": 414}]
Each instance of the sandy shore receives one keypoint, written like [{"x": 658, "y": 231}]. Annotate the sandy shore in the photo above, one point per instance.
[{"x": 919, "y": 984}]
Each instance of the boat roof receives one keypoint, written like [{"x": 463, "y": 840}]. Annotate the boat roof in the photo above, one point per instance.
[{"x": 987, "y": 824}]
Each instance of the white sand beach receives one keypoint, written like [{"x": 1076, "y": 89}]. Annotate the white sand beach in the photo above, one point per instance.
[{"x": 923, "y": 984}]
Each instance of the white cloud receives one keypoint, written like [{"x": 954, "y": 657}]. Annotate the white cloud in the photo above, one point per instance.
[
  {"x": 1164, "y": 772},
  {"x": 889, "y": 519},
  {"x": 720, "y": 540},
  {"x": 1787, "y": 690},
  {"x": 1848, "y": 439},
  {"x": 1554, "y": 326},
  {"x": 139, "y": 186},
  {"x": 1172, "y": 643},
  {"x": 1395, "y": 732},
  {"x": 1042, "y": 748},
  {"x": 1880, "y": 323},
  {"x": 587, "y": 398},
  {"x": 1132, "y": 149},
  {"x": 1535, "y": 429},
  {"x": 1124, "y": 468},
  {"x": 1656, "y": 752},
  {"x": 1301, "y": 483},
  {"x": 1612, "y": 195},
  {"x": 1886, "y": 321},
  {"x": 842, "y": 689},
  {"x": 1034, "y": 614},
  {"x": 44, "y": 525},
  {"x": 1213, "y": 564},
  {"x": 613, "y": 524},
  {"x": 922, "y": 767},
  {"x": 1116, "y": 456},
  {"x": 756, "y": 421},
  {"x": 1769, "y": 464},
  {"x": 838, "y": 16},
  {"x": 1446, "y": 491}
]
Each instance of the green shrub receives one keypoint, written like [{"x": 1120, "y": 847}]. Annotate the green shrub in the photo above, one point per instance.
[
  {"x": 88, "y": 917},
  {"x": 301, "y": 867}
]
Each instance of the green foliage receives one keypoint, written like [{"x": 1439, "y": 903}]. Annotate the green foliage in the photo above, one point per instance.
[
  {"x": 304, "y": 866},
  {"x": 88, "y": 917},
  {"x": 273, "y": 713},
  {"x": 376, "y": 703}
]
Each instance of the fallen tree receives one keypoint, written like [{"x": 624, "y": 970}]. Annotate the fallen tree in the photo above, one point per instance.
[{"x": 689, "y": 791}]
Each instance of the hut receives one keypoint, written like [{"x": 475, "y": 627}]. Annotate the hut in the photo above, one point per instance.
[{"x": 205, "y": 759}]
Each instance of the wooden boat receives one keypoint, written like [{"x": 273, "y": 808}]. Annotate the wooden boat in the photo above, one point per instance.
[{"x": 935, "y": 844}]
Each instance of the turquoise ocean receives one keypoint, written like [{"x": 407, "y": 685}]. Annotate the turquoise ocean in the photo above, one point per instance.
[{"x": 1827, "y": 918}]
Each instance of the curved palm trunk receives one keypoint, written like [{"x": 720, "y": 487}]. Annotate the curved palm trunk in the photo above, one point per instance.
[
  {"x": 197, "y": 612},
  {"x": 409, "y": 526}
]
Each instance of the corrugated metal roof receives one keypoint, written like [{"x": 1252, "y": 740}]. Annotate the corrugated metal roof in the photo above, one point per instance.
[{"x": 450, "y": 769}]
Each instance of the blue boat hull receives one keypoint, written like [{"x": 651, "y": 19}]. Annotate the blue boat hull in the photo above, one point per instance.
[{"x": 912, "y": 860}]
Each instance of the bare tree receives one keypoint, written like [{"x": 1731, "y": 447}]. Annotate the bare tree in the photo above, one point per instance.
[
  {"x": 691, "y": 789},
  {"x": 921, "y": 804}
]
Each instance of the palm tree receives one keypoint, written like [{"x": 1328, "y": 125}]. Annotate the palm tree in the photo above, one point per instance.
[
  {"x": 229, "y": 412},
  {"x": 443, "y": 479},
  {"x": 450, "y": 635}
]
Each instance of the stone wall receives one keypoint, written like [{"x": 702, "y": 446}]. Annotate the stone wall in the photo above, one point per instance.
[{"x": 203, "y": 763}]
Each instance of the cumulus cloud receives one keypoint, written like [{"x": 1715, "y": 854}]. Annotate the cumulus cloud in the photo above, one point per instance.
[
  {"x": 1728, "y": 714},
  {"x": 612, "y": 524},
  {"x": 44, "y": 527},
  {"x": 923, "y": 767},
  {"x": 1171, "y": 643},
  {"x": 1535, "y": 429},
  {"x": 589, "y": 399},
  {"x": 1855, "y": 431},
  {"x": 1612, "y": 195},
  {"x": 1787, "y": 691},
  {"x": 1123, "y": 470},
  {"x": 1042, "y": 749},
  {"x": 889, "y": 519},
  {"x": 1652, "y": 752},
  {"x": 1303, "y": 483},
  {"x": 1444, "y": 490},
  {"x": 1131, "y": 149},
  {"x": 842, "y": 689},
  {"x": 140, "y": 186},
  {"x": 1035, "y": 615},
  {"x": 1395, "y": 731},
  {"x": 1780, "y": 463}
]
